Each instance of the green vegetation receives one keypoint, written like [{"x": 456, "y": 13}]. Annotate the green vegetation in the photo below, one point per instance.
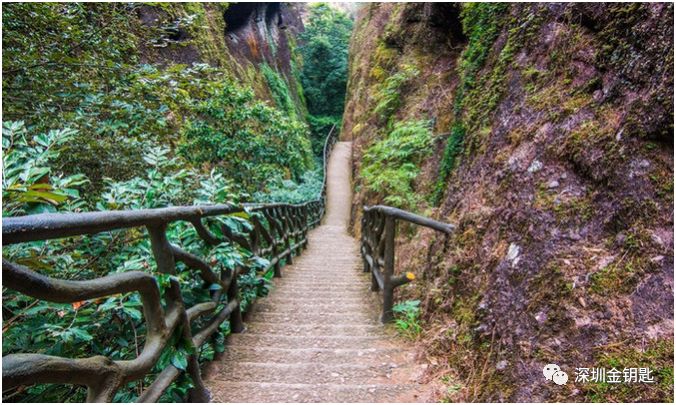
[
  {"x": 324, "y": 73},
  {"x": 92, "y": 123},
  {"x": 279, "y": 89},
  {"x": 481, "y": 22},
  {"x": 448, "y": 161},
  {"x": 390, "y": 165},
  {"x": 406, "y": 318},
  {"x": 389, "y": 93},
  {"x": 31, "y": 186},
  {"x": 622, "y": 276},
  {"x": 120, "y": 108},
  {"x": 247, "y": 139},
  {"x": 658, "y": 355},
  {"x": 320, "y": 125},
  {"x": 28, "y": 184},
  {"x": 294, "y": 192}
]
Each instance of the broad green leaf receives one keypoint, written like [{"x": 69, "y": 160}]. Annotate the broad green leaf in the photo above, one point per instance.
[{"x": 179, "y": 360}]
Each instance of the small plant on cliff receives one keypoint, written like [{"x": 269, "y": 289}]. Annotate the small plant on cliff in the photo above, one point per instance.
[
  {"x": 279, "y": 89},
  {"x": 391, "y": 165},
  {"x": 389, "y": 95},
  {"x": 448, "y": 161},
  {"x": 406, "y": 318}
]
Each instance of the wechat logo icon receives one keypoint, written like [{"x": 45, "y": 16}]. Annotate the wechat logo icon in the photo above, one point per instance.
[{"x": 552, "y": 372}]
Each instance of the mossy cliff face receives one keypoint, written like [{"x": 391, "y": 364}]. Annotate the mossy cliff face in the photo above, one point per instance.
[
  {"x": 553, "y": 154},
  {"x": 256, "y": 42}
]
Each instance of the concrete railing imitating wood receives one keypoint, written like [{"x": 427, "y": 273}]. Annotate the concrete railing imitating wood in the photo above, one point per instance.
[
  {"x": 279, "y": 232},
  {"x": 378, "y": 230}
]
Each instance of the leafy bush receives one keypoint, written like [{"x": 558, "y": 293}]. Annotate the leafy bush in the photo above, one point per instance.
[
  {"x": 390, "y": 165},
  {"x": 320, "y": 126},
  {"x": 54, "y": 54},
  {"x": 406, "y": 318},
  {"x": 29, "y": 185},
  {"x": 245, "y": 138},
  {"x": 286, "y": 191},
  {"x": 76, "y": 330}
]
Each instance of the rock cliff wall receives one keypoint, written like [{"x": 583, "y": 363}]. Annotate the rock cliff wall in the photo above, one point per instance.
[
  {"x": 553, "y": 153},
  {"x": 256, "y": 42}
]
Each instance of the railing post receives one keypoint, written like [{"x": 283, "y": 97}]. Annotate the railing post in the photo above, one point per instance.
[
  {"x": 236, "y": 324},
  {"x": 297, "y": 230},
  {"x": 198, "y": 393},
  {"x": 388, "y": 288},
  {"x": 286, "y": 221},
  {"x": 306, "y": 224},
  {"x": 162, "y": 249},
  {"x": 278, "y": 266},
  {"x": 166, "y": 263},
  {"x": 364, "y": 245}
]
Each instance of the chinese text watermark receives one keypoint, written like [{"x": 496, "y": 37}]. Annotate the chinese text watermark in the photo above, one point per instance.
[{"x": 627, "y": 375}]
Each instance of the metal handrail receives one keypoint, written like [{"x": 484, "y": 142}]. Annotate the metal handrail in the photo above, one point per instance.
[
  {"x": 280, "y": 238},
  {"x": 378, "y": 231}
]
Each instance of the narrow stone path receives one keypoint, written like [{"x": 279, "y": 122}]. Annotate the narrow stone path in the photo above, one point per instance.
[{"x": 316, "y": 337}]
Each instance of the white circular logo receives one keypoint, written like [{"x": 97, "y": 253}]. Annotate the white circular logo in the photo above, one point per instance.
[
  {"x": 560, "y": 377},
  {"x": 549, "y": 370},
  {"x": 553, "y": 372}
]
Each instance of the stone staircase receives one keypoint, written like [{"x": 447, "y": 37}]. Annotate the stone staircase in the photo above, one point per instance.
[{"x": 317, "y": 337}]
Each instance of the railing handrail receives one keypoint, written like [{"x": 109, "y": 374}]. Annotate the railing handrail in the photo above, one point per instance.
[
  {"x": 377, "y": 248},
  {"x": 328, "y": 145},
  {"x": 28, "y": 228},
  {"x": 279, "y": 232},
  {"x": 411, "y": 217}
]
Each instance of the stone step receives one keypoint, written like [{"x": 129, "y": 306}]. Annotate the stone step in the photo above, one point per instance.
[
  {"x": 320, "y": 282},
  {"x": 302, "y": 292},
  {"x": 254, "y": 391},
  {"x": 234, "y": 354},
  {"x": 357, "y": 286},
  {"x": 314, "y": 317},
  {"x": 285, "y": 328},
  {"x": 310, "y": 300},
  {"x": 321, "y": 285},
  {"x": 319, "y": 263},
  {"x": 327, "y": 307},
  {"x": 319, "y": 275},
  {"x": 307, "y": 373},
  {"x": 290, "y": 342}
]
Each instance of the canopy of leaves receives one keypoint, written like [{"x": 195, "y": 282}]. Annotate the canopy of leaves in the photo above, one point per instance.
[
  {"x": 77, "y": 66},
  {"x": 324, "y": 50}
]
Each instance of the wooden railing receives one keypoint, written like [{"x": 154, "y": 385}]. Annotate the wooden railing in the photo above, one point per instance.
[
  {"x": 378, "y": 231},
  {"x": 279, "y": 232}
]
